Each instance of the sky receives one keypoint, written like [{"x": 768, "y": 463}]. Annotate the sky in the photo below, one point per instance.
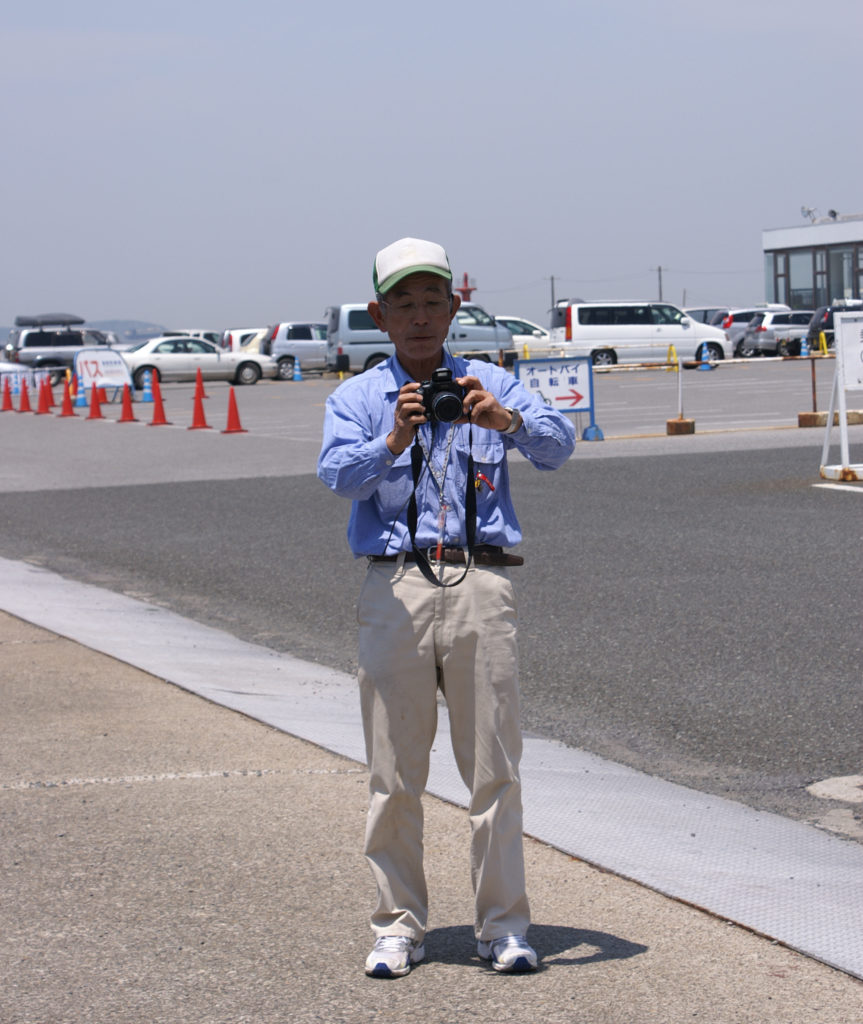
[{"x": 216, "y": 165}]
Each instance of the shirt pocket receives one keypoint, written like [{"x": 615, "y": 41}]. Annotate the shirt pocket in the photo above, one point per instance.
[
  {"x": 489, "y": 454},
  {"x": 488, "y": 449}
]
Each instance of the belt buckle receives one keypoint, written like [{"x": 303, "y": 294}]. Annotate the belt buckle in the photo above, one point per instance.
[{"x": 431, "y": 554}]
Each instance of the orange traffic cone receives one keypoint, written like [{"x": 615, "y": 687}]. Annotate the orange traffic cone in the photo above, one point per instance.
[
  {"x": 49, "y": 391},
  {"x": 199, "y": 385},
  {"x": 126, "y": 415},
  {"x": 7, "y": 405},
  {"x": 158, "y": 408},
  {"x": 24, "y": 403},
  {"x": 43, "y": 408},
  {"x": 67, "y": 409},
  {"x": 95, "y": 412},
  {"x": 233, "y": 426},
  {"x": 199, "y": 421}
]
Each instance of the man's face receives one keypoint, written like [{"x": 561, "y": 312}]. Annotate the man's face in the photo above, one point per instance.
[{"x": 416, "y": 314}]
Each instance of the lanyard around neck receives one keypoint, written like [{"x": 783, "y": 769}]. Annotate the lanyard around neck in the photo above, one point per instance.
[{"x": 469, "y": 511}]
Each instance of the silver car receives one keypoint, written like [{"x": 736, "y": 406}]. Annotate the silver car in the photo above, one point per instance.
[
  {"x": 180, "y": 358},
  {"x": 296, "y": 342},
  {"x": 773, "y": 333},
  {"x": 735, "y": 321}
]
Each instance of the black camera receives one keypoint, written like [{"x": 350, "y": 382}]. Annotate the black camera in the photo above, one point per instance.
[{"x": 442, "y": 397}]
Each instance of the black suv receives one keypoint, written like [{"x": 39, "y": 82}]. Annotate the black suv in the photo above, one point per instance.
[
  {"x": 822, "y": 320},
  {"x": 50, "y": 341}
]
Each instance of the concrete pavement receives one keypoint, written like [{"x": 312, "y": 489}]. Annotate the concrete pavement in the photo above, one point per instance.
[{"x": 169, "y": 860}]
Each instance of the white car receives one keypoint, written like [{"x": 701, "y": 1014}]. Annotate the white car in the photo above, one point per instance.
[
  {"x": 634, "y": 332},
  {"x": 180, "y": 358},
  {"x": 238, "y": 337},
  {"x": 524, "y": 332},
  {"x": 196, "y": 332}
]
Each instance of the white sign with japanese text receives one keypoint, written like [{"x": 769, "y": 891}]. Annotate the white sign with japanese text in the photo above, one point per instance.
[
  {"x": 848, "y": 376},
  {"x": 848, "y": 328},
  {"x": 565, "y": 384},
  {"x": 103, "y": 367}
]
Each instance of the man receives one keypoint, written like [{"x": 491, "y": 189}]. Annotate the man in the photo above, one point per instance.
[{"x": 432, "y": 513}]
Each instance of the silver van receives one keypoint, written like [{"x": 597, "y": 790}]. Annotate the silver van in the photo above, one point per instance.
[{"x": 355, "y": 344}]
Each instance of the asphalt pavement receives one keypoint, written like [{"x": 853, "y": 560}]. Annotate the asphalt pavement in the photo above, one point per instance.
[
  {"x": 135, "y": 892},
  {"x": 168, "y": 860},
  {"x": 686, "y": 605}
]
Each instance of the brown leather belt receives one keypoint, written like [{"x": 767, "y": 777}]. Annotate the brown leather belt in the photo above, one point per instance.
[{"x": 483, "y": 554}]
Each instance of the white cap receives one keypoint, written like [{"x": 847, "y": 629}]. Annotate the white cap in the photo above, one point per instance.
[{"x": 408, "y": 256}]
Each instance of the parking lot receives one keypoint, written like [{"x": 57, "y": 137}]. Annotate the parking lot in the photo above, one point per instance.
[
  {"x": 688, "y": 604},
  {"x": 678, "y": 590}
]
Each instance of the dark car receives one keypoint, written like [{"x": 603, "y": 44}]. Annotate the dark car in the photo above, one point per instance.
[{"x": 822, "y": 321}]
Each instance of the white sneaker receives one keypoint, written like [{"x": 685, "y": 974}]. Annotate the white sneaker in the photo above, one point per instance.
[
  {"x": 393, "y": 956},
  {"x": 510, "y": 954}
]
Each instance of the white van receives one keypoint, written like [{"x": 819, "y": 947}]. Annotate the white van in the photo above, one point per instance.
[
  {"x": 354, "y": 342},
  {"x": 634, "y": 332}
]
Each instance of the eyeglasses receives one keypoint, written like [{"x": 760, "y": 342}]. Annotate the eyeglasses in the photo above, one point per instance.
[{"x": 409, "y": 308}]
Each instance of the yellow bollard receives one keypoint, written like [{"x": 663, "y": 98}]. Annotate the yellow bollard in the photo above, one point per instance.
[
  {"x": 822, "y": 343},
  {"x": 525, "y": 351},
  {"x": 671, "y": 357}
]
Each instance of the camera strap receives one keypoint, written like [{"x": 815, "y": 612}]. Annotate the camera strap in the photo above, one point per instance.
[{"x": 469, "y": 509}]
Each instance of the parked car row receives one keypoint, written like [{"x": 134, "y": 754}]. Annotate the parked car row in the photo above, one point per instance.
[
  {"x": 772, "y": 328},
  {"x": 607, "y": 331},
  {"x": 354, "y": 342}
]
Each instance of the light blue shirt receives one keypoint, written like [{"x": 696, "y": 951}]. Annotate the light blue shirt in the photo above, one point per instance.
[{"x": 356, "y": 463}]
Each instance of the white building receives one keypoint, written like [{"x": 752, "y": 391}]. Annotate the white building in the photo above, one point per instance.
[{"x": 815, "y": 264}]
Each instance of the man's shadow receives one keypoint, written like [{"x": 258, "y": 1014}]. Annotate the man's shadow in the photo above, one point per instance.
[{"x": 556, "y": 945}]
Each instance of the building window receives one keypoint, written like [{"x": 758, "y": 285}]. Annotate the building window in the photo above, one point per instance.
[
  {"x": 769, "y": 277},
  {"x": 802, "y": 290},
  {"x": 822, "y": 292},
  {"x": 781, "y": 291},
  {"x": 841, "y": 275}
]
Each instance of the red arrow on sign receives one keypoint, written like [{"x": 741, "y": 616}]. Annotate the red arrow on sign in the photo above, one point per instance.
[{"x": 573, "y": 397}]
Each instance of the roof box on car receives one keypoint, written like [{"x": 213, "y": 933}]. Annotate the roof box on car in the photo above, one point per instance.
[{"x": 49, "y": 320}]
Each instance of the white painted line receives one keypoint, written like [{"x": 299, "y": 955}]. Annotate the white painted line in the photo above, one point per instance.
[{"x": 841, "y": 487}]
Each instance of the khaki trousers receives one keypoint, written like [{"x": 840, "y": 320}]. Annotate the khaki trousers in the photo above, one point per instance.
[{"x": 413, "y": 639}]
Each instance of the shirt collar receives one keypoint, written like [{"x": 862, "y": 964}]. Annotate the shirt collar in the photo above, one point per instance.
[{"x": 399, "y": 376}]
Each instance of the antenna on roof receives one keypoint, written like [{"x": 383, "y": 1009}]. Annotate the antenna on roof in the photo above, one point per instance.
[{"x": 808, "y": 211}]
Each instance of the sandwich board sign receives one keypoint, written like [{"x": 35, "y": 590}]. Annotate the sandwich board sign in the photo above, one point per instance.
[
  {"x": 563, "y": 383},
  {"x": 847, "y": 378},
  {"x": 103, "y": 367}
]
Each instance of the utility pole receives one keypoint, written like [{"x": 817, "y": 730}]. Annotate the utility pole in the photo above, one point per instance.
[
  {"x": 552, "y": 291},
  {"x": 659, "y": 272}
]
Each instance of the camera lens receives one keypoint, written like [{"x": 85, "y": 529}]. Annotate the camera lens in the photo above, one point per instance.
[{"x": 446, "y": 407}]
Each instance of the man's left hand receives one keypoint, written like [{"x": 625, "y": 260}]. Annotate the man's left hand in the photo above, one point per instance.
[{"x": 485, "y": 410}]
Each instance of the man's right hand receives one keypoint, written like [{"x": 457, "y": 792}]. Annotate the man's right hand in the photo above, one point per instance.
[{"x": 409, "y": 414}]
